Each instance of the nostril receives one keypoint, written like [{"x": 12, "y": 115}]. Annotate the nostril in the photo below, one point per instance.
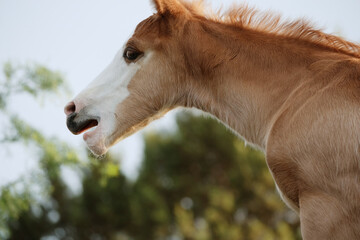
[{"x": 70, "y": 108}]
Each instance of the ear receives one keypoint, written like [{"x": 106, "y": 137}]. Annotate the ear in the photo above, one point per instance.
[{"x": 172, "y": 7}]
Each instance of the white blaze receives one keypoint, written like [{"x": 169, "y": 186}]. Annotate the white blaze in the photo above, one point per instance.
[{"x": 110, "y": 86}]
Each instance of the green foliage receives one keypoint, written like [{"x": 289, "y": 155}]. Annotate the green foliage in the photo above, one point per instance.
[
  {"x": 18, "y": 197},
  {"x": 197, "y": 183},
  {"x": 12, "y": 204},
  {"x": 230, "y": 190},
  {"x": 33, "y": 79}
]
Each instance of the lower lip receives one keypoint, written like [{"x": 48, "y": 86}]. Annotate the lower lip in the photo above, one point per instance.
[
  {"x": 90, "y": 132},
  {"x": 85, "y": 136}
]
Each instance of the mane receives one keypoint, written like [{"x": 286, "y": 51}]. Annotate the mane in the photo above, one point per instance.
[{"x": 243, "y": 16}]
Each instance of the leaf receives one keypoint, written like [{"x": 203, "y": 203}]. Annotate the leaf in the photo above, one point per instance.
[{"x": 8, "y": 71}]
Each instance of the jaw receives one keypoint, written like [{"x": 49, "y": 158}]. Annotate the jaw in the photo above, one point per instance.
[
  {"x": 95, "y": 141},
  {"x": 96, "y": 138},
  {"x": 99, "y": 140},
  {"x": 102, "y": 137},
  {"x": 108, "y": 133}
]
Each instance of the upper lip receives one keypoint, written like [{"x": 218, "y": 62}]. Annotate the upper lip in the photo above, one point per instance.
[{"x": 78, "y": 123}]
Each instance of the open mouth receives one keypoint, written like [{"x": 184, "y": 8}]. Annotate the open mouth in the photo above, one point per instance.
[
  {"x": 79, "y": 126},
  {"x": 87, "y": 125}
]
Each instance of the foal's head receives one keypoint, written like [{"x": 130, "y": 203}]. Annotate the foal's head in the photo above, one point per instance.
[{"x": 148, "y": 77}]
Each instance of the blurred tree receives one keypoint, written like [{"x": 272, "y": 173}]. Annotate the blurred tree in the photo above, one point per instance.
[
  {"x": 198, "y": 182},
  {"x": 213, "y": 186},
  {"x": 33, "y": 79},
  {"x": 19, "y": 197}
]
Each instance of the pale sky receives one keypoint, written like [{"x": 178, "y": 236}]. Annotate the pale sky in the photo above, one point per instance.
[{"x": 80, "y": 37}]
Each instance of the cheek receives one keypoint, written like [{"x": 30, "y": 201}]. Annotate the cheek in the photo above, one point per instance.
[{"x": 149, "y": 80}]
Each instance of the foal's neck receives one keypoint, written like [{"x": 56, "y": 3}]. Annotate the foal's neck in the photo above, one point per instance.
[{"x": 247, "y": 90}]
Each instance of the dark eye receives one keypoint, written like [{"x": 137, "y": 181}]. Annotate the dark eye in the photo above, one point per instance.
[{"x": 131, "y": 54}]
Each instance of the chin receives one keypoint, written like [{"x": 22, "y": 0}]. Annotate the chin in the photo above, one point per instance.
[
  {"x": 96, "y": 141},
  {"x": 97, "y": 150}
]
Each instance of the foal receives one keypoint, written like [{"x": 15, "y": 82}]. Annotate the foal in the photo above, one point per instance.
[{"x": 289, "y": 89}]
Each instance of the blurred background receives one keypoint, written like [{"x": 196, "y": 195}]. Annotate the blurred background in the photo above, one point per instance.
[{"x": 182, "y": 177}]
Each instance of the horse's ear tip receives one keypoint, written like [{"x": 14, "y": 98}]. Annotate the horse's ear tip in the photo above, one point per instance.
[
  {"x": 156, "y": 4},
  {"x": 159, "y": 5},
  {"x": 168, "y": 6}
]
